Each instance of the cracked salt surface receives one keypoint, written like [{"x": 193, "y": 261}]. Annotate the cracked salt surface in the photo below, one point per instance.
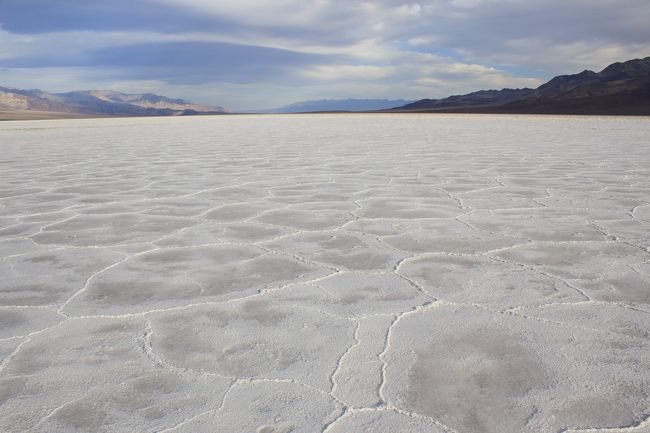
[{"x": 338, "y": 273}]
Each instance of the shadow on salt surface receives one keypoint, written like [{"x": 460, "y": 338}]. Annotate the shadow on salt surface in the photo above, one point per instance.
[
  {"x": 485, "y": 281},
  {"x": 493, "y": 373},
  {"x": 339, "y": 249},
  {"x": 352, "y": 295},
  {"x": 50, "y": 277},
  {"x": 447, "y": 236},
  {"x": 226, "y": 340},
  {"x": 90, "y": 375},
  {"x": 111, "y": 229},
  {"x": 605, "y": 271},
  {"x": 180, "y": 276},
  {"x": 361, "y": 349}
]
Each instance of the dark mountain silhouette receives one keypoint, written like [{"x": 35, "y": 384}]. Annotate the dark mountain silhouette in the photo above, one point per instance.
[
  {"x": 620, "y": 88},
  {"x": 482, "y": 98}
]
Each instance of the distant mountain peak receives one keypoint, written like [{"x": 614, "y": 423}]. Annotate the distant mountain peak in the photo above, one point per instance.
[
  {"x": 100, "y": 102},
  {"x": 349, "y": 104},
  {"x": 482, "y": 98},
  {"x": 620, "y": 88}
]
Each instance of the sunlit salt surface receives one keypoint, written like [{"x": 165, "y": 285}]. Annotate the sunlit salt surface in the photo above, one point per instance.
[{"x": 325, "y": 273}]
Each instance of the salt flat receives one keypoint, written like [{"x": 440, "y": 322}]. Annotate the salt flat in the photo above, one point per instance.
[{"x": 325, "y": 273}]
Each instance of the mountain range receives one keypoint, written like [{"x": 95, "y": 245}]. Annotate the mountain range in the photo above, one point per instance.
[
  {"x": 619, "y": 89},
  {"x": 340, "y": 105},
  {"x": 99, "y": 103}
]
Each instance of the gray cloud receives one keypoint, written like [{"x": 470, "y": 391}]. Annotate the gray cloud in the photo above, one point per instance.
[
  {"x": 323, "y": 48},
  {"x": 185, "y": 62},
  {"x": 44, "y": 16}
]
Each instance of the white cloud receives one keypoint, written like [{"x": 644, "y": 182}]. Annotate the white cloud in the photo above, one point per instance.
[
  {"x": 413, "y": 9},
  {"x": 379, "y": 48},
  {"x": 261, "y": 12},
  {"x": 568, "y": 57},
  {"x": 431, "y": 83},
  {"x": 348, "y": 72}
]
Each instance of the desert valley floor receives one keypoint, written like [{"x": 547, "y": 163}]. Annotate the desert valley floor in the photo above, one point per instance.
[{"x": 325, "y": 273}]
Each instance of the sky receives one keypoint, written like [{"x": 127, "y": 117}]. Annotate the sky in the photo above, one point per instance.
[{"x": 254, "y": 54}]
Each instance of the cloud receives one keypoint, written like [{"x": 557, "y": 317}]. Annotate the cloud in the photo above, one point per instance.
[
  {"x": 291, "y": 49},
  {"x": 195, "y": 62},
  {"x": 46, "y": 16},
  {"x": 488, "y": 30},
  {"x": 412, "y": 9},
  {"x": 348, "y": 72}
]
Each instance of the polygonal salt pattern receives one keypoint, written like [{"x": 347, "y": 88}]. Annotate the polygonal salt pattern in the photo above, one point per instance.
[
  {"x": 18, "y": 322},
  {"x": 308, "y": 220},
  {"x": 536, "y": 224},
  {"x": 353, "y": 295},
  {"x": 168, "y": 277},
  {"x": 339, "y": 250},
  {"x": 109, "y": 229},
  {"x": 94, "y": 375},
  {"x": 445, "y": 236},
  {"x": 485, "y": 281},
  {"x": 375, "y": 421},
  {"x": 601, "y": 316},
  {"x": 226, "y": 340},
  {"x": 325, "y": 273},
  {"x": 267, "y": 407},
  {"x": 482, "y": 363},
  {"x": 603, "y": 270},
  {"x": 51, "y": 277}
]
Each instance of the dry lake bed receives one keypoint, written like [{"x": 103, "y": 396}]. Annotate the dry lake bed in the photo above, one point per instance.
[{"x": 325, "y": 273}]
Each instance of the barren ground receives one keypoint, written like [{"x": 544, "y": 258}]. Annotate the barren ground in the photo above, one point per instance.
[{"x": 325, "y": 273}]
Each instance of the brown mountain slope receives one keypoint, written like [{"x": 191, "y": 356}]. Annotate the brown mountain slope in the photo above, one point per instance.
[
  {"x": 99, "y": 103},
  {"x": 621, "y": 88}
]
